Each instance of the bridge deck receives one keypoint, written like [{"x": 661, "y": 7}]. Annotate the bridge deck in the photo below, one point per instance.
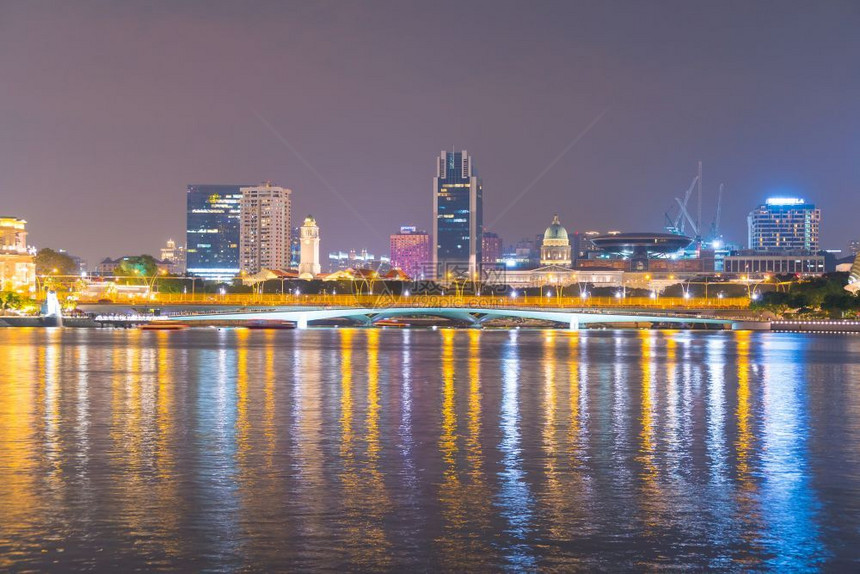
[{"x": 303, "y": 316}]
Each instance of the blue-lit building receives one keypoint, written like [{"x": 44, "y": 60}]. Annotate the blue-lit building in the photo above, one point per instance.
[
  {"x": 212, "y": 231},
  {"x": 784, "y": 225},
  {"x": 457, "y": 216}
]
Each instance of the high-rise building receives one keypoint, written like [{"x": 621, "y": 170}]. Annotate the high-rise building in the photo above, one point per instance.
[
  {"x": 212, "y": 231},
  {"x": 410, "y": 252},
  {"x": 264, "y": 230},
  {"x": 174, "y": 255},
  {"x": 491, "y": 248},
  {"x": 784, "y": 224},
  {"x": 457, "y": 216},
  {"x": 17, "y": 268},
  {"x": 555, "y": 247},
  {"x": 309, "y": 235}
]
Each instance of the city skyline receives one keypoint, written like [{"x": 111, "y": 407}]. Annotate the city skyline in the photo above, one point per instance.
[
  {"x": 607, "y": 139},
  {"x": 462, "y": 286}
]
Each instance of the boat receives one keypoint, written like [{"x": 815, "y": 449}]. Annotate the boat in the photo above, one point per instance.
[
  {"x": 270, "y": 324},
  {"x": 163, "y": 326},
  {"x": 391, "y": 323}
]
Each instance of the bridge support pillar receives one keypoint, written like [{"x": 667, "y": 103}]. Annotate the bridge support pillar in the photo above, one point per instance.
[
  {"x": 302, "y": 322},
  {"x": 574, "y": 324}
]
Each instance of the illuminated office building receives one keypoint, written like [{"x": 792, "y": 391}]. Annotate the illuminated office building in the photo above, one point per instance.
[
  {"x": 457, "y": 216},
  {"x": 264, "y": 230},
  {"x": 410, "y": 252},
  {"x": 784, "y": 225},
  {"x": 212, "y": 231}
]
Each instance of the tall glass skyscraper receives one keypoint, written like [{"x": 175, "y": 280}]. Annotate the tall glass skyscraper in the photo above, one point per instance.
[
  {"x": 457, "y": 217},
  {"x": 212, "y": 231}
]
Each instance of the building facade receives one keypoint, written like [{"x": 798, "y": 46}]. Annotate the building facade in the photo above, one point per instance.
[
  {"x": 212, "y": 231},
  {"x": 798, "y": 264},
  {"x": 410, "y": 252},
  {"x": 491, "y": 248},
  {"x": 551, "y": 276},
  {"x": 457, "y": 216},
  {"x": 784, "y": 225},
  {"x": 17, "y": 267},
  {"x": 555, "y": 247},
  {"x": 264, "y": 229},
  {"x": 309, "y": 236}
]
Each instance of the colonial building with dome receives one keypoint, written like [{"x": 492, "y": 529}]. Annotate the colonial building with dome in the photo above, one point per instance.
[{"x": 555, "y": 249}]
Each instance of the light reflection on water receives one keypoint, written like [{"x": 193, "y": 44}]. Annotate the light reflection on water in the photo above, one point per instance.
[{"x": 446, "y": 450}]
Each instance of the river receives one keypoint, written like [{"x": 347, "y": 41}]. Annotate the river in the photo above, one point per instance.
[{"x": 429, "y": 450}]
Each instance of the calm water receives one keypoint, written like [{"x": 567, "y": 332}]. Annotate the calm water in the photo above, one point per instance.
[{"x": 433, "y": 450}]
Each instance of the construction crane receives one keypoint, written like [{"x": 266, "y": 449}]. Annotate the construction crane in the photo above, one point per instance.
[
  {"x": 715, "y": 225},
  {"x": 677, "y": 224}
]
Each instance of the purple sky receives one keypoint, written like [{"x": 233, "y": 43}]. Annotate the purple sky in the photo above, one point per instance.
[{"x": 109, "y": 109}]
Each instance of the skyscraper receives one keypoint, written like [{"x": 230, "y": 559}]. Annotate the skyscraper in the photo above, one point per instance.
[
  {"x": 784, "y": 225},
  {"x": 212, "y": 231},
  {"x": 457, "y": 216},
  {"x": 309, "y": 235},
  {"x": 410, "y": 252},
  {"x": 264, "y": 231}
]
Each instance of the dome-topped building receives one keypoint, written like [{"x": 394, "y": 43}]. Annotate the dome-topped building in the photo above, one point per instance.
[{"x": 555, "y": 249}]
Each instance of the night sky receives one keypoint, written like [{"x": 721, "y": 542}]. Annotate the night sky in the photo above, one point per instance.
[{"x": 109, "y": 109}]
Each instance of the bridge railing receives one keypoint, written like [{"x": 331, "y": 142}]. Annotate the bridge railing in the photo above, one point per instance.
[{"x": 376, "y": 301}]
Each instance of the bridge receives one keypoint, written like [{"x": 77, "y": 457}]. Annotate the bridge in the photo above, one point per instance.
[{"x": 303, "y": 316}]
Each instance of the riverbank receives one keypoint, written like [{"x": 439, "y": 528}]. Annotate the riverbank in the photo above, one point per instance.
[{"x": 816, "y": 326}]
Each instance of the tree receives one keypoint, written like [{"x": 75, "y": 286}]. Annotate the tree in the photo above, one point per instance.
[
  {"x": 774, "y": 301},
  {"x": 10, "y": 300},
  {"x": 50, "y": 262},
  {"x": 838, "y": 303},
  {"x": 137, "y": 266}
]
